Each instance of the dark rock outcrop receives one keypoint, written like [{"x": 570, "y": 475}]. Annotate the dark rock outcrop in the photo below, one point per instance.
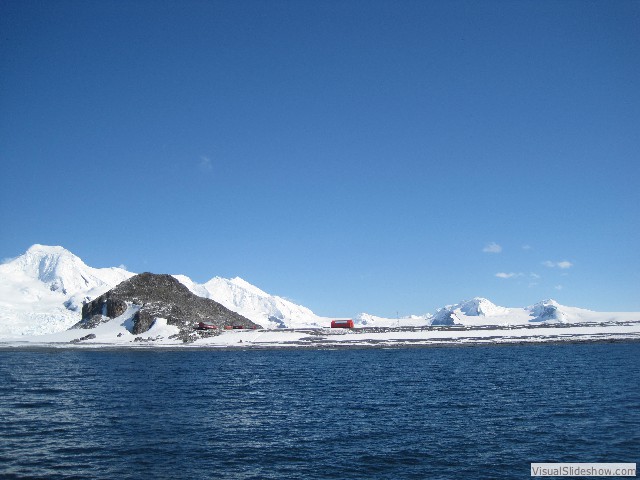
[
  {"x": 445, "y": 316},
  {"x": 91, "y": 336},
  {"x": 158, "y": 296}
]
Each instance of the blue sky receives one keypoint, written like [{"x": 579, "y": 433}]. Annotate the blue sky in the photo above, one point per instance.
[{"x": 380, "y": 156}]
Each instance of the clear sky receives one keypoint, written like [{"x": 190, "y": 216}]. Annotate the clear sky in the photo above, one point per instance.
[{"x": 380, "y": 156}]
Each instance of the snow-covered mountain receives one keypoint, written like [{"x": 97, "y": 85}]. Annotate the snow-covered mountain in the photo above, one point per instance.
[
  {"x": 481, "y": 307},
  {"x": 60, "y": 270},
  {"x": 475, "y": 311},
  {"x": 478, "y": 310},
  {"x": 42, "y": 290},
  {"x": 481, "y": 312},
  {"x": 248, "y": 300}
]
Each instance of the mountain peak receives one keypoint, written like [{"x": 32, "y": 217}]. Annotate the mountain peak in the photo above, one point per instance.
[
  {"x": 60, "y": 270},
  {"x": 38, "y": 248},
  {"x": 480, "y": 307},
  {"x": 41, "y": 255},
  {"x": 53, "y": 265},
  {"x": 549, "y": 301}
]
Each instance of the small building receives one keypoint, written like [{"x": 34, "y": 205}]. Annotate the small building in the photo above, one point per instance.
[
  {"x": 341, "y": 323},
  {"x": 206, "y": 326}
]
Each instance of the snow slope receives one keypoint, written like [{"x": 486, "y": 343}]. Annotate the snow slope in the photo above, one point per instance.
[
  {"x": 368, "y": 320},
  {"x": 115, "y": 332},
  {"x": 248, "y": 300}
]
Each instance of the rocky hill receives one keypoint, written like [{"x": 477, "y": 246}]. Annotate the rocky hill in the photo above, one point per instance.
[{"x": 158, "y": 296}]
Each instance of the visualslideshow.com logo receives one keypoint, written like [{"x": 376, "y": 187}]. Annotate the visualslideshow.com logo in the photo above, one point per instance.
[{"x": 583, "y": 469}]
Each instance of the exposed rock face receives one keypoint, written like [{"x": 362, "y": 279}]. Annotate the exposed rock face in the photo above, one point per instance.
[
  {"x": 91, "y": 336},
  {"x": 445, "y": 316},
  {"x": 158, "y": 296},
  {"x": 547, "y": 311}
]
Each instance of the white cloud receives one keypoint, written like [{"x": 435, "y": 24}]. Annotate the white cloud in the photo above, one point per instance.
[
  {"x": 564, "y": 264},
  {"x": 122, "y": 266},
  {"x": 535, "y": 276},
  {"x": 508, "y": 275},
  {"x": 205, "y": 164},
  {"x": 492, "y": 247},
  {"x": 558, "y": 287},
  {"x": 527, "y": 247}
]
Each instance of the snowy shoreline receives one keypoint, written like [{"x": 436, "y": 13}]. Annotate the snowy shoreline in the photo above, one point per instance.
[
  {"x": 345, "y": 339},
  {"x": 5, "y": 347}
]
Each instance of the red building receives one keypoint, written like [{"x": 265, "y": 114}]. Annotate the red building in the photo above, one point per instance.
[
  {"x": 206, "y": 326},
  {"x": 341, "y": 323}
]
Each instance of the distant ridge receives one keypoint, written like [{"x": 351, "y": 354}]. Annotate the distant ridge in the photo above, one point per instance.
[{"x": 269, "y": 310}]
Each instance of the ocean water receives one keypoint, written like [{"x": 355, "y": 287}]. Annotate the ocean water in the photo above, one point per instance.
[{"x": 477, "y": 412}]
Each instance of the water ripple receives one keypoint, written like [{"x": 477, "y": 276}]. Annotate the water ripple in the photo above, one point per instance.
[{"x": 406, "y": 413}]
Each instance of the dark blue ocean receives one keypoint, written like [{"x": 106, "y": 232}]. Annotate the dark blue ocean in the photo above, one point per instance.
[{"x": 476, "y": 412}]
